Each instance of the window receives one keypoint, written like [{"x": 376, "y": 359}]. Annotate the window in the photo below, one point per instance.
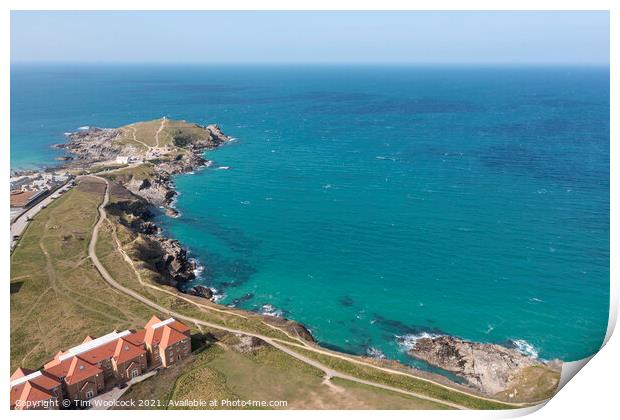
[
  {"x": 89, "y": 394},
  {"x": 134, "y": 373}
]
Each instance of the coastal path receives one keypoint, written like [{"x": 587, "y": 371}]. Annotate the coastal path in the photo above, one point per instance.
[
  {"x": 159, "y": 130},
  {"x": 329, "y": 372}
]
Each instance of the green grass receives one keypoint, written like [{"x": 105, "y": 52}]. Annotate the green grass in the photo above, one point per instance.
[
  {"x": 175, "y": 133},
  {"x": 533, "y": 383},
  {"x": 139, "y": 172},
  {"x": 58, "y": 299},
  {"x": 407, "y": 383},
  {"x": 264, "y": 374}
]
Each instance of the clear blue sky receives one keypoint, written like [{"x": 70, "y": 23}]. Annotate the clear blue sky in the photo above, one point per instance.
[{"x": 378, "y": 37}]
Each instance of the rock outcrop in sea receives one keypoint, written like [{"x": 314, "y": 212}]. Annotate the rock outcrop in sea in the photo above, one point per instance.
[{"x": 491, "y": 368}]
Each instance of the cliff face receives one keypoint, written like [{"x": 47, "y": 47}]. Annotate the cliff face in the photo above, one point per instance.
[
  {"x": 490, "y": 368},
  {"x": 159, "y": 149}
]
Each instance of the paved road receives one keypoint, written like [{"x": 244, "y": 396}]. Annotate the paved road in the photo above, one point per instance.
[
  {"x": 19, "y": 225},
  {"x": 106, "y": 400}
]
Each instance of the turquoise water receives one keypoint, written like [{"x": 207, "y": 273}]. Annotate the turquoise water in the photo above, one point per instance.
[{"x": 375, "y": 204}]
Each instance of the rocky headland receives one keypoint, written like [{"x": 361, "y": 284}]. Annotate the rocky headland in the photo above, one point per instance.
[
  {"x": 141, "y": 159},
  {"x": 491, "y": 368}
]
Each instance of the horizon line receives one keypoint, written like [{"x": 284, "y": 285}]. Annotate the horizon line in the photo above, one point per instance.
[{"x": 361, "y": 63}]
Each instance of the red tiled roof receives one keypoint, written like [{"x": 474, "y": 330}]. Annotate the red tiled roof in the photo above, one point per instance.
[
  {"x": 136, "y": 338},
  {"x": 57, "y": 368},
  {"x": 80, "y": 370},
  {"x": 154, "y": 336},
  {"x": 126, "y": 351},
  {"x": 32, "y": 392},
  {"x": 182, "y": 328},
  {"x": 170, "y": 336},
  {"x": 20, "y": 373},
  {"x": 16, "y": 392},
  {"x": 153, "y": 320},
  {"x": 21, "y": 198},
  {"x": 96, "y": 355},
  {"x": 46, "y": 381}
]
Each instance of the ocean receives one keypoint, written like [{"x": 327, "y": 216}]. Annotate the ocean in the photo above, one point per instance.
[{"x": 375, "y": 204}]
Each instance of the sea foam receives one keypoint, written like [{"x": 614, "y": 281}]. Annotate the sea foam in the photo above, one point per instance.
[
  {"x": 407, "y": 342},
  {"x": 525, "y": 348}
]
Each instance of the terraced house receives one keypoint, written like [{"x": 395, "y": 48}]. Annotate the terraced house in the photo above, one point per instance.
[{"x": 98, "y": 364}]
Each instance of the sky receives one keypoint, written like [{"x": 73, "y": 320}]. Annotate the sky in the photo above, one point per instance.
[{"x": 472, "y": 37}]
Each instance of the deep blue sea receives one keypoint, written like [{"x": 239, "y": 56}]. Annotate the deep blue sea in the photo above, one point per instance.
[{"x": 371, "y": 203}]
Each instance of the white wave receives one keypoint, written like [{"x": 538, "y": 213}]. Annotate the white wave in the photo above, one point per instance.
[
  {"x": 199, "y": 268},
  {"x": 271, "y": 310},
  {"x": 525, "y": 348},
  {"x": 535, "y": 299},
  {"x": 407, "y": 342},
  {"x": 245, "y": 203},
  {"x": 327, "y": 186},
  {"x": 490, "y": 328},
  {"x": 375, "y": 353},
  {"x": 84, "y": 127},
  {"x": 67, "y": 134},
  {"x": 222, "y": 168},
  {"x": 217, "y": 296}
]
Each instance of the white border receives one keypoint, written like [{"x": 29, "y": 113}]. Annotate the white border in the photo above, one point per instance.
[{"x": 594, "y": 394}]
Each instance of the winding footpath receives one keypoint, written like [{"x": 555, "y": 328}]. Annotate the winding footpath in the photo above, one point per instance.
[{"x": 329, "y": 372}]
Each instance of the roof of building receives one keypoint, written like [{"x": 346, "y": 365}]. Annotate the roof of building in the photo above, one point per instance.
[
  {"x": 126, "y": 351},
  {"x": 92, "y": 344},
  {"x": 171, "y": 336},
  {"x": 21, "y": 198},
  {"x": 20, "y": 373},
  {"x": 80, "y": 370},
  {"x": 30, "y": 392},
  {"x": 26, "y": 379},
  {"x": 154, "y": 320},
  {"x": 136, "y": 338},
  {"x": 172, "y": 330},
  {"x": 102, "y": 352},
  {"x": 57, "y": 368}
]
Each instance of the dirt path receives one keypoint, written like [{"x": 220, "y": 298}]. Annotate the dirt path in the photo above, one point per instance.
[
  {"x": 161, "y": 127},
  {"x": 329, "y": 372},
  {"x": 138, "y": 141}
]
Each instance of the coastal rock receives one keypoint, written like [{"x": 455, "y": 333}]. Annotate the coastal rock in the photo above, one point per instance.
[
  {"x": 95, "y": 144},
  {"x": 248, "y": 344},
  {"x": 490, "y": 368},
  {"x": 175, "y": 262},
  {"x": 201, "y": 291}
]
